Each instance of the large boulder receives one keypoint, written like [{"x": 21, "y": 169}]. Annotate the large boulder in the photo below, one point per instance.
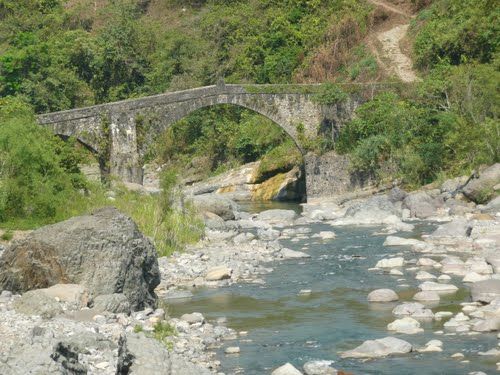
[
  {"x": 481, "y": 189},
  {"x": 105, "y": 252},
  {"x": 422, "y": 205},
  {"x": 460, "y": 228},
  {"x": 223, "y": 207},
  {"x": 375, "y": 210}
]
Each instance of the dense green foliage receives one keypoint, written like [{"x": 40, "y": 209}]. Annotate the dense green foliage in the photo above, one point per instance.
[
  {"x": 457, "y": 31},
  {"x": 40, "y": 183},
  {"x": 38, "y": 172},
  {"x": 451, "y": 124},
  {"x": 58, "y": 54},
  {"x": 213, "y": 140}
]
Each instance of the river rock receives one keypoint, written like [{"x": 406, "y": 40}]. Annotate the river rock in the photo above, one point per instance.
[
  {"x": 292, "y": 254},
  {"x": 326, "y": 235},
  {"x": 105, "y": 252},
  {"x": 319, "y": 368},
  {"x": 220, "y": 206},
  {"x": 426, "y": 296},
  {"x": 397, "y": 195},
  {"x": 146, "y": 356},
  {"x": 390, "y": 262},
  {"x": 426, "y": 262},
  {"x": 268, "y": 234},
  {"x": 193, "y": 318},
  {"x": 286, "y": 369},
  {"x": 73, "y": 295},
  {"x": 493, "y": 205},
  {"x": 437, "y": 287},
  {"x": 405, "y": 325},
  {"x": 453, "y": 265},
  {"x": 382, "y": 295},
  {"x": 457, "y": 228},
  {"x": 114, "y": 303},
  {"x": 421, "y": 205},
  {"x": 480, "y": 188},
  {"x": 473, "y": 277},
  {"x": 423, "y": 275},
  {"x": 485, "y": 291},
  {"x": 487, "y": 325},
  {"x": 232, "y": 350},
  {"x": 213, "y": 221},
  {"x": 244, "y": 237},
  {"x": 432, "y": 346},
  {"x": 37, "y": 302},
  {"x": 277, "y": 216},
  {"x": 413, "y": 309},
  {"x": 453, "y": 185},
  {"x": 379, "y": 348},
  {"x": 376, "y": 210},
  {"x": 218, "y": 273},
  {"x": 400, "y": 241},
  {"x": 494, "y": 260}
]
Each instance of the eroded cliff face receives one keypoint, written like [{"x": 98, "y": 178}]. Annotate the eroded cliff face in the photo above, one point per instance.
[{"x": 241, "y": 184}]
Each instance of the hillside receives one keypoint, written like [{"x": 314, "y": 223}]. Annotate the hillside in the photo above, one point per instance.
[{"x": 59, "y": 54}]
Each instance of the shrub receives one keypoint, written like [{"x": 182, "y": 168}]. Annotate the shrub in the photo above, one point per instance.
[
  {"x": 39, "y": 172},
  {"x": 280, "y": 159},
  {"x": 330, "y": 93}
]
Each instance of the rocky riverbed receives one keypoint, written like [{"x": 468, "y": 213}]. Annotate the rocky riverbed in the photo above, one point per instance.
[{"x": 97, "y": 300}]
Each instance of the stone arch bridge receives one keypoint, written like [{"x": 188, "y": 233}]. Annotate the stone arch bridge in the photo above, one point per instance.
[{"x": 121, "y": 132}]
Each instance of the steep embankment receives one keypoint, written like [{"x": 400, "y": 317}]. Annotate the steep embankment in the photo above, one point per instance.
[{"x": 386, "y": 42}]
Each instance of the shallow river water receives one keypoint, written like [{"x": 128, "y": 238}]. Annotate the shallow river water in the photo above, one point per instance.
[{"x": 286, "y": 327}]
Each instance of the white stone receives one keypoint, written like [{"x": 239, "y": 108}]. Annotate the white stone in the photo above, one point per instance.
[
  {"x": 414, "y": 309},
  {"x": 426, "y": 262},
  {"x": 286, "y": 369},
  {"x": 395, "y": 272},
  {"x": 472, "y": 277},
  {"x": 426, "y": 296},
  {"x": 390, "y": 262},
  {"x": 193, "y": 318},
  {"x": 442, "y": 314},
  {"x": 379, "y": 348},
  {"x": 405, "y": 325},
  {"x": 319, "y": 368},
  {"x": 382, "y": 295},
  {"x": 292, "y": 254},
  {"x": 218, "y": 273},
  {"x": 423, "y": 275},
  {"x": 232, "y": 350},
  {"x": 444, "y": 278},
  {"x": 437, "y": 287},
  {"x": 326, "y": 235},
  {"x": 400, "y": 241}
]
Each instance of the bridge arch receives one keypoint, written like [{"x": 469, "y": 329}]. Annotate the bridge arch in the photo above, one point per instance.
[{"x": 111, "y": 129}]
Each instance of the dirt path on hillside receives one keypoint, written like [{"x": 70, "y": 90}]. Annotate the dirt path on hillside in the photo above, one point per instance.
[{"x": 386, "y": 43}]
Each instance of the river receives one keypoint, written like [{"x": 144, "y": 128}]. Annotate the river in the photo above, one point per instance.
[{"x": 284, "y": 326}]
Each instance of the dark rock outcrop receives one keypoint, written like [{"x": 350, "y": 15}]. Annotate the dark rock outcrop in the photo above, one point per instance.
[{"x": 104, "y": 251}]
